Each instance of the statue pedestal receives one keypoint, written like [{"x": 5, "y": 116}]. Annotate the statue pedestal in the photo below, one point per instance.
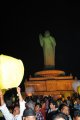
[{"x": 50, "y": 82}]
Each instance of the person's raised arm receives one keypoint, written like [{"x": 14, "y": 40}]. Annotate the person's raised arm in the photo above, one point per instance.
[
  {"x": 1, "y": 98},
  {"x": 19, "y": 94},
  {"x": 4, "y": 109},
  {"x": 21, "y": 101}
]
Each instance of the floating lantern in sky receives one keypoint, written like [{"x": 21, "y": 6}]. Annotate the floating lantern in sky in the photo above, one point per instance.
[
  {"x": 11, "y": 72},
  {"x": 78, "y": 89},
  {"x": 67, "y": 94},
  {"x": 75, "y": 84},
  {"x": 29, "y": 91}
]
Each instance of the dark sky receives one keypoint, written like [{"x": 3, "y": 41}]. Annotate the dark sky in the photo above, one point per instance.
[{"x": 21, "y": 23}]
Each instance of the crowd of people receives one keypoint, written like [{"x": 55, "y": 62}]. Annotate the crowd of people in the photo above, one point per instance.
[{"x": 40, "y": 108}]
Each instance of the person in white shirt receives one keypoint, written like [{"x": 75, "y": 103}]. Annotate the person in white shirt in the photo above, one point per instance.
[{"x": 17, "y": 111}]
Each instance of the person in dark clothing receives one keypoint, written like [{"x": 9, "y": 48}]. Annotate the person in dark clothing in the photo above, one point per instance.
[{"x": 52, "y": 111}]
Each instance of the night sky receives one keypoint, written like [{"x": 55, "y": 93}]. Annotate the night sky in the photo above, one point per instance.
[{"x": 21, "y": 24}]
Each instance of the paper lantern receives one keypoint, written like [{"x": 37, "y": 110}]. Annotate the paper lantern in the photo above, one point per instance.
[
  {"x": 29, "y": 91},
  {"x": 67, "y": 94},
  {"x": 11, "y": 72},
  {"x": 78, "y": 89},
  {"x": 75, "y": 84}
]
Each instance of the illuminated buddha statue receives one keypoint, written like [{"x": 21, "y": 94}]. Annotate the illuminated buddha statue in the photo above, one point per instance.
[{"x": 48, "y": 44}]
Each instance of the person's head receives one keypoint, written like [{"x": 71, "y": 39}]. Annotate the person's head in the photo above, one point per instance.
[
  {"x": 16, "y": 110},
  {"x": 64, "y": 108},
  {"x": 37, "y": 107},
  {"x": 53, "y": 105},
  {"x": 76, "y": 115},
  {"x": 43, "y": 104},
  {"x": 78, "y": 100},
  {"x": 29, "y": 114},
  {"x": 60, "y": 116}
]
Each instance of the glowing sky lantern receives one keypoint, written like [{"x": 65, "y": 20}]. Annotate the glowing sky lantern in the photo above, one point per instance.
[
  {"x": 75, "y": 84},
  {"x": 29, "y": 91},
  {"x": 11, "y": 72},
  {"x": 78, "y": 90},
  {"x": 67, "y": 94}
]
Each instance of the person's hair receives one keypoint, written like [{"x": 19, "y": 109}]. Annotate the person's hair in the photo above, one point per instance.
[
  {"x": 42, "y": 102},
  {"x": 29, "y": 112},
  {"x": 60, "y": 115},
  {"x": 18, "y": 106},
  {"x": 76, "y": 113},
  {"x": 62, "y": 105},
  {"x": 39, "y": 104},
  {"x": 53, "y": 102}
]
